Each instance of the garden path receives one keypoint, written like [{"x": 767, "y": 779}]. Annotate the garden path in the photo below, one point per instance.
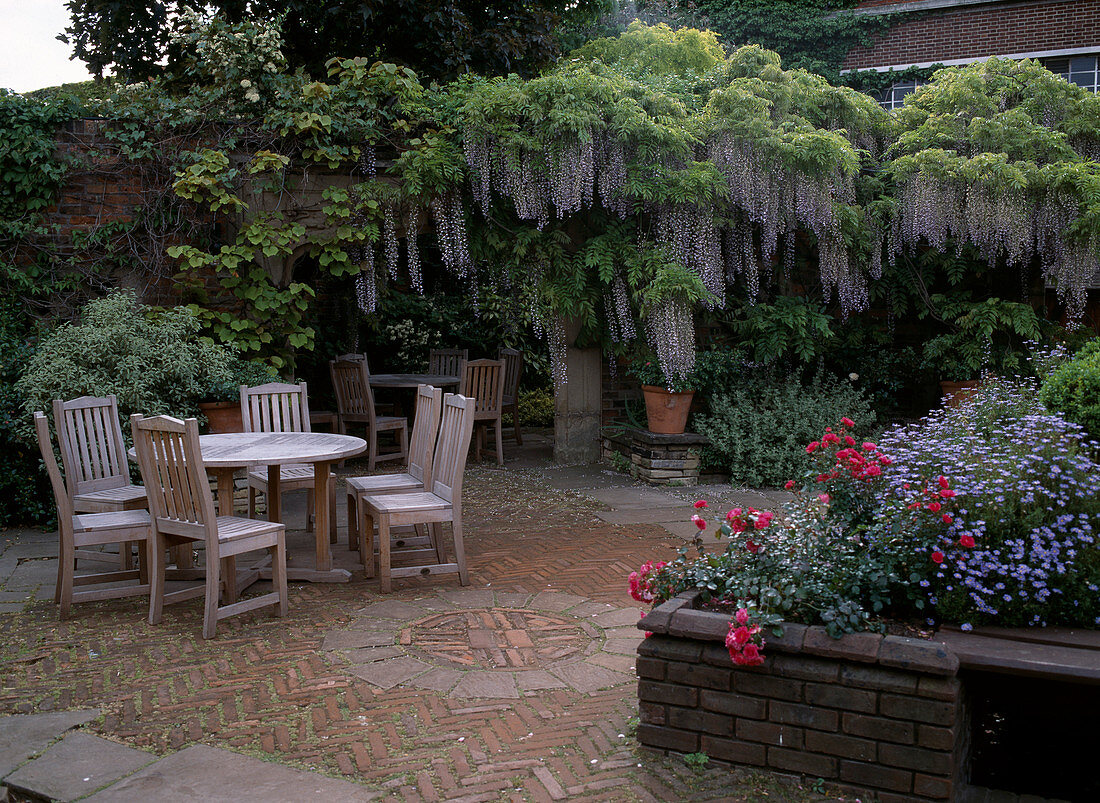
[{"x": 429, "y": 693}]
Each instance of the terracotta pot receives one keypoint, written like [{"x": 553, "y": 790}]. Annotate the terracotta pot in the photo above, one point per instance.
[
  {"x": 667, "y": 412},
  {"x": 956, "y": 393},
  {"x": 222, "y": 416}
]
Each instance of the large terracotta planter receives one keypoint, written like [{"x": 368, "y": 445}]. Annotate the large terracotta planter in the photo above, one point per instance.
[
  {"x": 222, "y": 416},
  {"x": 956, "y": 393},
  {"x": 667, "y": 412}
]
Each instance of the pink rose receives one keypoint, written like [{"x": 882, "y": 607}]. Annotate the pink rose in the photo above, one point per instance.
[
  {"x": 700, "y": 504},
  {"x": 699, "y": 522},
  {"x": 823, "y": 498},
  {"x": 742, "y": 616},
  {"x": 869, "y": 447},
  {"x": 789, "y": 484},
  {"x": 848, "y": 422},
  {"x": 947, "y": 493},
  {"x": 934, "y": 507},
  {"x": 812, "y": 447}
]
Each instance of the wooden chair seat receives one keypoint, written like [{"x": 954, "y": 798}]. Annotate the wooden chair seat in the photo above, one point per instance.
[
  {"x": 415, "y": 502},
  {"x": 292, "y": 476},
  {"x": 231, "y": 528},
  {"x": 111, "y": 522},
  {"x": 384, "y": 483},
  {"x": 124, "y": 497}
]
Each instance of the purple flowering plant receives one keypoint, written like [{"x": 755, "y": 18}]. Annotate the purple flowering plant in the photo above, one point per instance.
[{"x": 1028, "y": 502}]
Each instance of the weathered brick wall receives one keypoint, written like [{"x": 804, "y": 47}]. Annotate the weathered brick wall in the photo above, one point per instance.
[
  {"x": 979, "y": 31},
  {"x": 877, "y": 715}
]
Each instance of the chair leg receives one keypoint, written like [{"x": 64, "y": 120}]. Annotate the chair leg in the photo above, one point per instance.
[
  {"x": 366, "y": 542},
  {"x": 66, "y": 563},
  {"x": 372, "y": 454},
  {"x": 436, "y": 534},
  {"x": 126, "y": 556},
  {"x": 310, "y": 509},
  {"x": 213, "y": 584},
  {"x": 460, "y": 552},
  {"x": 384, "y": 553},
  {"x": 478, "y": 440},
  {"x": 251, "y": 502},
  {"x": 500, "y": 442},
  {"x": 60, "y": 572},
  {"x": 515, "y": 424},
  {"x": 403, "y": 439},
  {"x": 353, "y": 521},
  {"x": 278, "y": 573},
  {"x": 157, "y": 547}
]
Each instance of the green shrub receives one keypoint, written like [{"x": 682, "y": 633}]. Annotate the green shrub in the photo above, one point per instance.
[
  {"x": 536, "y": 409},
  {"x": 24, "y": 493},
  {"x": 758, "y": 430},
  {"x": 153, "y": 361},
  {"x": 1073, "y": 389}
]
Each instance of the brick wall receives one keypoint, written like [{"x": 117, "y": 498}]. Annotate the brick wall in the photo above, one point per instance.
[
  {"x": 882, "y": 716},
  {"x": 980, "y": 31}
]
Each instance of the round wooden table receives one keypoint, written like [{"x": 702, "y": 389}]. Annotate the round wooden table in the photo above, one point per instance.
[
  {"x": 224, "y": 453},
  {"x": 412, "y": 380}
]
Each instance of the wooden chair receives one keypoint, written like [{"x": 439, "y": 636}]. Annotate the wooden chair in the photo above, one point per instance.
[
  {"x": 513, "y": 370},
  {"x": 278, "y": 407},
  {"x": 89, "y": 437},
  {"x": 483, "y": 381},
  {"x": 355, "y": 405},
  {"x": 442, "y": 504},
  {"x": 447, "y": 362},
  {"x": 92, "y": 529},
  {"x": 182, "y": 508},
  {"x": 429, "y": 406}
]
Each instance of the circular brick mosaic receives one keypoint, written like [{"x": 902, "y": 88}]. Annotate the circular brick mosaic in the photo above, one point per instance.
[
  {"x": 498, "y": 638},
  {"x": 484, "y": 643}
]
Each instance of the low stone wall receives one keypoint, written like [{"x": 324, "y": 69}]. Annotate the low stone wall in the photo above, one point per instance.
[
  {"x": 657, "y": 459},
  {"x": 878, "y": 715}
]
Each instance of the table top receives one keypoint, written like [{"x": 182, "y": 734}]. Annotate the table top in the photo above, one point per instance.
[
  {"x": 412, "y": 380},
  {"x": 245, "y": 449}
]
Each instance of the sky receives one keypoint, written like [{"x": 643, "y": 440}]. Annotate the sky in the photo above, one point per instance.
[{"x": 30, "y": 55}]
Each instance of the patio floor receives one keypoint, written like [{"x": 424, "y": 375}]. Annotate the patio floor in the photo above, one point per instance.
[{"x": 518, "y": 687}]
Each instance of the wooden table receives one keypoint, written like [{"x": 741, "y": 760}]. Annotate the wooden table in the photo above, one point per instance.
[
  {"x": 224, "y": 453},
  {"x": 412, "y": 380}
]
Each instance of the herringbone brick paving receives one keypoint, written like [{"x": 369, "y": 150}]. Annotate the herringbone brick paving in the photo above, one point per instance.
[{"x": 263, "y": 686}]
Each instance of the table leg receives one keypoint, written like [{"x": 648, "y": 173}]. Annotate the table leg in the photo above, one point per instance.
[
  {"x": 225, "y": 508},
  {"x": 321, "y": 480}
]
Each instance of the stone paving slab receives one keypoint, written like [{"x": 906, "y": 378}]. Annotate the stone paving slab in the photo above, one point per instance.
[
  {"x": 575, "y": 478},
  {"x": 587, "y": 677},
  {"x": 77, "y": 765},
  {"x": 619, "y": 498},
  {"x": 660, "y": 515},
  {"x": 201, "y": 773},
  {"x": 22, "y": 736},
  {"x": 494, "y": 685}
]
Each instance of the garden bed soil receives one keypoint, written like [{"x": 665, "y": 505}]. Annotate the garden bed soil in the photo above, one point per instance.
[{"x": 888, "y": 716}]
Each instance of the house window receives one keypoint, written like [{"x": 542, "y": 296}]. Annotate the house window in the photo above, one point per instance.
[
  {"x": 894, "y": 96},
  {"x": 1080, "y": 70}
]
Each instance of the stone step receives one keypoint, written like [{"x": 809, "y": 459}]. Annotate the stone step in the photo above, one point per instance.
[{"x": 75, "y": 767}]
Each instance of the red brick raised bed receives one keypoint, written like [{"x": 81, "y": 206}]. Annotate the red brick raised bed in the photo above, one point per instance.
[{"x": 881, "y": 715}]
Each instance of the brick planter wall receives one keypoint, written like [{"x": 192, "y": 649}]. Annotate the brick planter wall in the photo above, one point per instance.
[{"x": 878, "y": 715}]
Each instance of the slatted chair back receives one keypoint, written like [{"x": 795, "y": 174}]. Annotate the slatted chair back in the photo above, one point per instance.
[
  {"x": 90, "y": 439},
  {"x": 351, "y": 382},
  {"x": 275, "y": 407},
  {"x": 447, "y": 362},
  {"x": 513, "y": 370},
  {"x": 171, "y": 465},
  {"x": 429, "y": 407},
  {"x": 455, "y": 429},
  {"x": 483, "y": 381},
  {"x": 61, "y": 493}
]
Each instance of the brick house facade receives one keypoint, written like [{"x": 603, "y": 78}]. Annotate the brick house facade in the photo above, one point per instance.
[{"x": 1063, "y": 34}]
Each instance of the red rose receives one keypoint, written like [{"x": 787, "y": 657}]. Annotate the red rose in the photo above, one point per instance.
[
  {"x": 937, "y": 557},
  {"x": 934, "y": 507},
  {"x": 848, "y": 422},
  {"x": 947, "y": 518},
  {"x": 789, "y": 484},
  {"x": 966, "y": 541}
]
